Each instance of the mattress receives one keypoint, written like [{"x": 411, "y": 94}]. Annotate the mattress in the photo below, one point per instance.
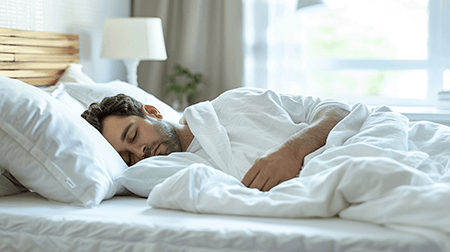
[{"x": 29, "y": 222}]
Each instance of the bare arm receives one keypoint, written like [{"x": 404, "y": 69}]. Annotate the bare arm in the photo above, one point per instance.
[{"x": 285, "y": 161}]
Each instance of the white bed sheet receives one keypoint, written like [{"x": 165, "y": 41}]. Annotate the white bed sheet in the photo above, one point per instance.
[{"x": 29, "y": 222}]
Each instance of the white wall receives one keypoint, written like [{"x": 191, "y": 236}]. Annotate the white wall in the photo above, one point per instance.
[{"x": 83, "y": 17}]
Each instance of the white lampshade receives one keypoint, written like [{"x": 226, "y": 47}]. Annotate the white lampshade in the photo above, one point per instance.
[
  {"x": 306, "y": 3},
  {"x": 133, "y": 38}
]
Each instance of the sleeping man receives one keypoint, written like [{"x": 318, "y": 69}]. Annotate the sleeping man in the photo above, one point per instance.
[
  {"x": 257, "y": 136},
  {"x": 308, "y": 157}
]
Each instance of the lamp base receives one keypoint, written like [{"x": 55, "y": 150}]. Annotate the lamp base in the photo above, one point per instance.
[{"x": 131, "y": 66}]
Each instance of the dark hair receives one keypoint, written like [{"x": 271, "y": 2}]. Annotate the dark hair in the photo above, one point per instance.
[{"x": 119, "y": 105}]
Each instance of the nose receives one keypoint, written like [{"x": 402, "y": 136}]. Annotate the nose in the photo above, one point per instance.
[{"x": 138, "y": 152}]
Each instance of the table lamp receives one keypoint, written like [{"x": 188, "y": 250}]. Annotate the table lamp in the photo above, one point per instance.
[{"x": 133, "y": 40}]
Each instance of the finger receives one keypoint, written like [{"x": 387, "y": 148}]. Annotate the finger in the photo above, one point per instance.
[
  {"x": 269, "y": 185},
  {"x": 250, "y": 176},
  {"x": 259, "y": 182}
]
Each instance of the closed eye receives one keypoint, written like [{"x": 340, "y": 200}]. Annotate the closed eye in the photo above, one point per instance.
[{"x": 134, "y": 137}]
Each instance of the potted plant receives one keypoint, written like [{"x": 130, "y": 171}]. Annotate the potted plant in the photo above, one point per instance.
[{"x": 184, "y": 85}]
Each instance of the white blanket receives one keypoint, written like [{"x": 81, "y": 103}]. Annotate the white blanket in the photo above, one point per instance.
[{"x": 375, "y": 167}]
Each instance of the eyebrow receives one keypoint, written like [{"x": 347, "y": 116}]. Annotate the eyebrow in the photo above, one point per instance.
[{"x": 125, "y": 132}]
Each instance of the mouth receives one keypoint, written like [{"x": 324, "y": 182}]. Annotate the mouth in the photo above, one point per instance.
[
  {"x": 147, "y": 154},
  {"x": 156, "y": 150}
]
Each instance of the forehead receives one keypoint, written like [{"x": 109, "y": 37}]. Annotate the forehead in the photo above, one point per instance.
[{"x": 114, "y": 126}]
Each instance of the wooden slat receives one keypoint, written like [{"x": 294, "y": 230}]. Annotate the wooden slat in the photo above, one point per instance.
[
  {"x": 30, "y": 73},
  {"x": 6, "y": 57},
  {"x": 36, "y": 58},
  {"x": 36, "y": 34},
  {"x": 38, "y": 50},
  {"x": 40, "y": 81},
  {"x": 38, "y": 42},
  {"x": 32, "y": 65},
  {"x": 46, "y": 58}
]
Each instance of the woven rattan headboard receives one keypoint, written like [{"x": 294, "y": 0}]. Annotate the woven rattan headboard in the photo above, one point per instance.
[{"x": 37, "y": 58}]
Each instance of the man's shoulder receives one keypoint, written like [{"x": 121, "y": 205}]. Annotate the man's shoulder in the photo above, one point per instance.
[
  {"x": 244, "y": 90},
  {"x": 243, "y": 93}
]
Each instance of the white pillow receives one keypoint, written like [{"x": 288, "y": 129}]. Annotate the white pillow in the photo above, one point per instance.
[
  {"x": 73, "y": 104},
  {"x": 7, "y": 184},
  {"x": 75, "y": 74},
  {"x": 55, "y": 153},
  {"x": 147, "y": 173},
  {"x": 89, "y": 93}
]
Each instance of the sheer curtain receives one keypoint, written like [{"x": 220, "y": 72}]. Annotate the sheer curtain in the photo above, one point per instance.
[{"x": 202, "y": 35}]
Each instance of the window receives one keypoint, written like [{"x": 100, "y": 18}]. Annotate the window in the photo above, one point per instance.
[
  {"x": 380, "y": 52},
  {"x": 21, "y": 14}
]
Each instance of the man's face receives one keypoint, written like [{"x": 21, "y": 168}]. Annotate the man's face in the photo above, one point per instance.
[{"x": 136, "y": 138}]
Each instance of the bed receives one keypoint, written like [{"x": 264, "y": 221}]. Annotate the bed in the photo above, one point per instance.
[{"x": 59, "y": 187}]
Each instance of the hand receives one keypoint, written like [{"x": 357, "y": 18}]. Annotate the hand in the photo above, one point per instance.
[
  {"x": 273, "y": 168},
  {"x": 285, "y": 162}
]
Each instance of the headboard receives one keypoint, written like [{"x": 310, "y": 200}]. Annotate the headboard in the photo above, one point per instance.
[{"x": 34, "y": 57}]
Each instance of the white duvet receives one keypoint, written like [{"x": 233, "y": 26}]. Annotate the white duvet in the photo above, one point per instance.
[{"x": 375, "y": 167}]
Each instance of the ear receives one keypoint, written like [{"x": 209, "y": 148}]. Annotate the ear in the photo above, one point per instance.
[{"x": 151, "y": 111}]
